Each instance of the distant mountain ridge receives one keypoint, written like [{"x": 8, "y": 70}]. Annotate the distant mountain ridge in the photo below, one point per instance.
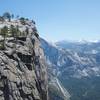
[
  {"x": 78, "y": 59},
  {"x": 80, "y": 46},
  {"x": 77, "y": 66}
]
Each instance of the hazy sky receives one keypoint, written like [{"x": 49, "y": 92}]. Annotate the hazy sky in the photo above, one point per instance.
[{"x": 59, "y": 19}]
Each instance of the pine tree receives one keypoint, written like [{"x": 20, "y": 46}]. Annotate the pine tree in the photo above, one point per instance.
[
  {"x": 4, "y": 32},
  {"x": 7, "y": 15}
]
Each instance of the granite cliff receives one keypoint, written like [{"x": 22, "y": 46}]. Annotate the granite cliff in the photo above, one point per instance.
[{"x": 23, "y": 74}]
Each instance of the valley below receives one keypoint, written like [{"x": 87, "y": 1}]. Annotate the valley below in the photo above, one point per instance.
[{"x": 77, "y": 66}]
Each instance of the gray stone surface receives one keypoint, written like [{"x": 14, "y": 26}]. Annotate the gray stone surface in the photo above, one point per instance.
[{"x": 23, "y": 71}]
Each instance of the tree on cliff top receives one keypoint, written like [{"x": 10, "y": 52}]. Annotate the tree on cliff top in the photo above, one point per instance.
[
  {"x": 7, "y": 15},
  {"x": 4, "y": 32}
]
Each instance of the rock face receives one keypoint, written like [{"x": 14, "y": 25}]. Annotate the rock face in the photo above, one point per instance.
[{"x": 23, "y": 70}]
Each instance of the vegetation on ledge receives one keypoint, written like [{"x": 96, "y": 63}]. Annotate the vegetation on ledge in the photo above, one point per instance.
[{"x": 16, "y": 27}]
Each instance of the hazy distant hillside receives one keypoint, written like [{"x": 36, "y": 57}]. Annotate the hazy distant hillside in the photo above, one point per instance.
[
  {"x": 82, "y": 46},
  {"x": 77, "y": 65}
]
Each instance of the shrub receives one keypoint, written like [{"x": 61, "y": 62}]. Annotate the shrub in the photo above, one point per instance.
[
  {"x": 7, "y": 15},
  {"x": 4, "y": 32},
  {"x": 1, "y": 18},
  {"x": 22, "y": 20}
]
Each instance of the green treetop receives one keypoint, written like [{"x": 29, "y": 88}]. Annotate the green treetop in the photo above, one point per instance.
[{"x": 7, "y": 15}]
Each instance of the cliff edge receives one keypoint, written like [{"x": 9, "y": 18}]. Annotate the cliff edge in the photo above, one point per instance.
[{"x": 23, "y": 73}]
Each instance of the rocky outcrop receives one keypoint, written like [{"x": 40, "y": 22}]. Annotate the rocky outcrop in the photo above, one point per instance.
[{"x": 23, "y": 70}]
